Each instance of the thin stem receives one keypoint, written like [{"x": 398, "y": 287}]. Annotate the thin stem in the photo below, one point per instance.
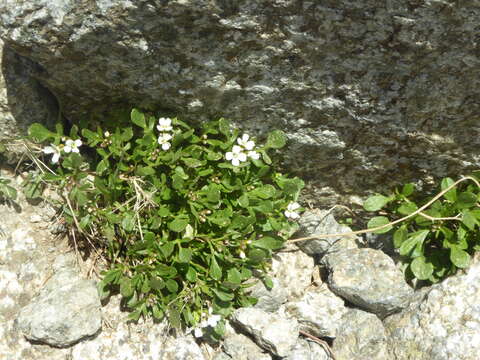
[{"x": 365, "y": 231}]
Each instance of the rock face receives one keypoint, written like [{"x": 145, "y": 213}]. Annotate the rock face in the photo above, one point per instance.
[
  {"x": 370, "y": 93},
  {"x": 369, "y": 279},
  {"x": 23, "y": 100}
]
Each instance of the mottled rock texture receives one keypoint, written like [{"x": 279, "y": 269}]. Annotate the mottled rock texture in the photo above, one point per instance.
[
  {"x": 361, "y": 336},
  {"x": 369, "y": 279},
  {"x": 23, "y": 100},
  {"x": 443, "y": 324},
  {"x": 370, "y": 93},
  {"x": 66, "y": 311}
]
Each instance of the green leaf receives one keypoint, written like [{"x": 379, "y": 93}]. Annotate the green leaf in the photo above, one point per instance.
[
  {"x": 234, "y": 276},
  {"x": 222, "y": 295},
  {"x": 224, "y": 126},
  {"x": 191, "y": 274},
  {"x": 177, "y": 182},
  {"x": 145, "y": 171},
  {"x": 379, "y": 221},
  {"x": 184, "y": 255},
  {"x": 172, "y": 286},
  {"x": 268, "y": 243},
  {"x": 407, "y": 208},
  {"x": 174, "y": 317},
  {"x": 459, "y": 257},
  {"x": 156, "y": 283},
  {"x": 127, "y": 134},
  {"x": 376, "y": 202},
  {"x": 128, "y": 222},
  {"x": 39, "y": 132},
  {"x": 167, "y": 249},
  {"x": 264, "y": 192},
  {"x": 138, "y": 118},
  {"x": 399, "y": 236},
  {"x": 413, "y": 240},
  {"x": 266, "y": 158},
  {"x": 215, "y": 271},
  {"x": 450, "y": 195},
  {"x": 421, "y": 269},
  {"x": 276, "y": 139},
  {"x": 466, "y": 200},
  {"x": 178, "y": 224},
  {"x": 268, "y": 282},
  {"x": 102, "y": 166},
  {"x": 243, "y": 201},
  {"x": 126, "y": 288},
  {"x": 134, "y": 315},
  {"x": 256, "y": 256},
  {"x": 408, "y": 189},
  {"x": 469, "y": 220}
]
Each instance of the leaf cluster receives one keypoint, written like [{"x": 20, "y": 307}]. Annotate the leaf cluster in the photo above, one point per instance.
[
  {"x": 183, "y": 229},
  {"x": 437, "y": 241}
]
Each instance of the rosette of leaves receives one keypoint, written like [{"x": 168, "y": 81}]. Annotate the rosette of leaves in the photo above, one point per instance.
[
  {"x": 184, "y": 230},
  {"x": 437, "y": 241}
]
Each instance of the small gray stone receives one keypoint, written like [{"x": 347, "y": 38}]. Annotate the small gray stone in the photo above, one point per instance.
[
  {"x": 240, "y": 347},
  {"x": 308, "y": 350},
  {"x": 66, "y": 311},
  {"x": 361, "y": 336},
  {"x": 369, "y": 279},
  {"x": 316, "y": 222},
  {"x": 318, "y": 312},
  {"x": 269, "y": 300},
  {"x": 272, "y": 332},
  {"x": 184, "y": 348},
  {"x": 294, "y": 271}
]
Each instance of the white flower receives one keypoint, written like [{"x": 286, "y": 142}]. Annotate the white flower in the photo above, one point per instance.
[
  {"x": 72, "y": 145},
  {"x": 198, "y": 332},
  {"x": 253, "y": 155},
  {"x": 163, "y": 140},
  {"x": 106, "y": 134},
  {"x": 164, "y": 124},
  {"x": 236, "y": 155},
  {"x": 242, "y": 255},
  {"x": 245, "y": 143},
  {"x": 290, "y": 212},
  {"x": 213, "y": 320},
  {"x": 52, "y": 149}
]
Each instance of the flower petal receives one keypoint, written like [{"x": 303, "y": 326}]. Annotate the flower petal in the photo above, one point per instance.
[
  {"x": 48, "y": 150},
  {"x": 242, "y": 156},
  {"x": 55, "y": 157}
]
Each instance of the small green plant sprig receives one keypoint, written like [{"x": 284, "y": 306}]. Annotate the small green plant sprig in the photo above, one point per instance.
[
  {"x": 7, "y": 192},
  {"x": 186, "y": 216},
  {"x": 437, "y": 236}
]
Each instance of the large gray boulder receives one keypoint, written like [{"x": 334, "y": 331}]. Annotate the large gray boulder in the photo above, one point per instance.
[{"x": 370, "y": 93}]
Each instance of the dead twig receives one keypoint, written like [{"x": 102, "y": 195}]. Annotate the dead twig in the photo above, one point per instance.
[
  {"x": 321, "y": 342},
  {"x": 418, "y": 211}
]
